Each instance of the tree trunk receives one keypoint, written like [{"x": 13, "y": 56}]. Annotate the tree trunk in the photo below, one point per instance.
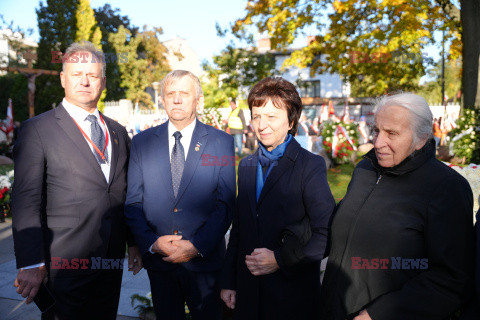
[{"x": 470, "y": 13}]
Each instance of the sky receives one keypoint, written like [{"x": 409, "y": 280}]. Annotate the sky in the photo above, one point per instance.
[
  {"x": 188, "y": 19},
  {"x": 192, "y": 20}
]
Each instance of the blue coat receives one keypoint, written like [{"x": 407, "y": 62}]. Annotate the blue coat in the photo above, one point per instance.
[
  {"x": 295, "y": 188},
  {"x": 202, "y": 211}
]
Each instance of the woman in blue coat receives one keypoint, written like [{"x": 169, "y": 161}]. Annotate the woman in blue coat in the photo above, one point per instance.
[{"x": 280, "y": 228}]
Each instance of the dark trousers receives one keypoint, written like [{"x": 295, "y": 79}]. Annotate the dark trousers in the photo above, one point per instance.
[
  {"x": 171, "y": 289},
  {"x": 93, "y": 296}
]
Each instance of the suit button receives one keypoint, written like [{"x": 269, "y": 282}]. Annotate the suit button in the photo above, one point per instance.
[
  {"x": 175, "y": 210},
  {"x": 175, "y": 232}
]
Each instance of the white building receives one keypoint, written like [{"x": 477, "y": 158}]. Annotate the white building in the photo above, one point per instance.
[
  {"x": 181, "y": 56},
  {"x": 9, "y": 41}
]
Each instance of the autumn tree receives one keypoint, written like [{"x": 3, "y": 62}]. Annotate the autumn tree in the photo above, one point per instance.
[
  {"x": 109, "y": 20},
  {"x": 88, "y": 30},
  {"x": 141, "y": 61},
  {"x": 375, "y": 45},
  {"x": 57, "y": 29}
]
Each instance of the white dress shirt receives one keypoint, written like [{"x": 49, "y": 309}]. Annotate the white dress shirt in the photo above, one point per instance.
[
  {"x": 186, "y": 138},
  {"x": 80, "y": 116}
]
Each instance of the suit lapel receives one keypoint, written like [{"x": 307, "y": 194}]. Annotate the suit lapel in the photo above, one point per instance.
[
  {"x": 68, "y": 125},
  {"x": 285, "y": 163},
  {"x": 250, "y": 164},
  {"x": 195, "y": 151},
  {"x": 115, "y": 148},
  {"x": 163, "y": 156}
]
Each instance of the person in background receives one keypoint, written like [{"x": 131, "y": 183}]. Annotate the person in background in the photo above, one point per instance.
[
  {"x": 437, "y": 132},
  {"x": 68, "y": 196},
  {"x": 281, "y": 222},
  {"x": 402, "y": 242},
  {"x": 236, "y": 125}
]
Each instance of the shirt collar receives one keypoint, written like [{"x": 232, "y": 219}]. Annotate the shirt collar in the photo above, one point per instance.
[
  {"x": 77, "y": 113},
  {"x": 186, "y": 132}
]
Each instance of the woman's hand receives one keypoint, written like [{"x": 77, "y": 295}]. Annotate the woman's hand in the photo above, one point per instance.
[
  {"x": 363, "y": 315},
  {"x": 261, "y": 262},
  {"x": 229, "y": 297}
]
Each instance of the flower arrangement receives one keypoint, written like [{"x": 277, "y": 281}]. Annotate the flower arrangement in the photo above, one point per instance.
[
  {"x": 466, "y": 137},
  {"x": 5, "y": 189},
  {"x": 340, "y": 143}
]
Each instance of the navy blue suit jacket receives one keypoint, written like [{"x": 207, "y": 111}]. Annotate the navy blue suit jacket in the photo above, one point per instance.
[{"x": 202, "y": 211}]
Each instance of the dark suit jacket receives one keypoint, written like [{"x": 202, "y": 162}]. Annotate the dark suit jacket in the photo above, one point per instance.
[
  {"x": 202, "y": 211},
  {"x": 295, "y": 188},
  {"x": 62, "y": 206}
]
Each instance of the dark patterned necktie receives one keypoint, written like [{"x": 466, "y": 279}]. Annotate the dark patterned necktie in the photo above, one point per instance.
[
  {"x": 177, "y": 162},
  {"x": 98, "y": 138}
]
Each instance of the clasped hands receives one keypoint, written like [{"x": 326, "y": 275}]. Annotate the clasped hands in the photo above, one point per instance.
[
  {"x": 175, "y": 249},
  {"x": 260, "y": 262}
]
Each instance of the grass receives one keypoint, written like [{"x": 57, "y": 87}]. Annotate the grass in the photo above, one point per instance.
[{"x": 338, "y": 179}]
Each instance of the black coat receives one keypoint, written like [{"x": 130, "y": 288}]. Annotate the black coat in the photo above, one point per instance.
[
  {"x": 421, "y": 210},
  {"x": 296, "y": 187}
]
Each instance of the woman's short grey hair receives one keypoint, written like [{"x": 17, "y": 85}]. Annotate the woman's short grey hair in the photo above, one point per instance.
[
  {"x": 86, "y": 46},
  {"x": 422, "y": 118},
  {"x": 178, "y": 74}
]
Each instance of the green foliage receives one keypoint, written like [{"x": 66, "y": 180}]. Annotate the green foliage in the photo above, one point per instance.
[
  {"x": 432, "y": 90},
  {"x": 468, "y": 146},
  {"x": 233, "y": 72},
  {"x": 375, "y": 45},
  {"x": 142, "y": 61},
  {"x": 345, "y": 150},
  {"x": 88, "y": 30},
  {"x": 14, "y": 86},
  {"x": 57, "y": 28},
  {"x": 109, "y": 20},
  {"x": 145, "y": 303}
]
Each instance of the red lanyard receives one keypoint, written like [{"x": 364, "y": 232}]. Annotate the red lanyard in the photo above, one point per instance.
[{"x": 101, "y": 153}]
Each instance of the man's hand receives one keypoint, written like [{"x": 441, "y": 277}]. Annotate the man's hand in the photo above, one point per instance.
[
  {"x": 164, "y": 244},
  {"x": 28, "y": 282},
  {"x": 229, "y": 297},
  {"x": 185, "y": 251},
  {"x": 261, "y": 262},
  {"x": 134, "y": 260},
  {"x": 363, "y": 315}
]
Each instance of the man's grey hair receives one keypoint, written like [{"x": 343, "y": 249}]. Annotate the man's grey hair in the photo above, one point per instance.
[
  {"x": 178, "y": 74},
  {"x": 422, "y": 118},
  {"x": 86, "y": 46}
]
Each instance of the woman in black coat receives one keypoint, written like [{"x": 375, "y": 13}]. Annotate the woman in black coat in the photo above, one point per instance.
[
  {"x": 402, "y": 238},
  {"x": 279, "y": 232}
]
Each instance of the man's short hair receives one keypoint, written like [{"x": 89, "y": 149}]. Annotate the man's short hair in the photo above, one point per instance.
[
  {"x": 85, "y": 46},
  {"x": 178, "y": 74}
]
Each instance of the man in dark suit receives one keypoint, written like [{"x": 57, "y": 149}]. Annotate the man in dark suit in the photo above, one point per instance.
[
  {"x": 181, "y": 190},
  {"x": 68, "y": 197}
]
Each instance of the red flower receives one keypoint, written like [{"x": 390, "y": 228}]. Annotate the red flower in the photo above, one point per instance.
[
  {"x": 1, "y": 195},
  {"x": 5, "y": 189}
]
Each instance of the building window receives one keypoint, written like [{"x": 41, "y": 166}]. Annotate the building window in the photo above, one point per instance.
[{"x": 310, "y": 89}]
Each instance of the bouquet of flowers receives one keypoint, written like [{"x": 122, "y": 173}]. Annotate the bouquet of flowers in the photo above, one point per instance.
[
  {"x": 340, "y": 140},
  {"x": 5, "y": 189},
  {"x": 466, "y": 136}
]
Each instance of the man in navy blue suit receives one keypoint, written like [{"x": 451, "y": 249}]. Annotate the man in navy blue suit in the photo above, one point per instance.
[{"x": 181, "y": 192}]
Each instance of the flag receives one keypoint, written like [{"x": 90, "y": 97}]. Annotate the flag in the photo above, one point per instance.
[{"x": 7, "y": 125}]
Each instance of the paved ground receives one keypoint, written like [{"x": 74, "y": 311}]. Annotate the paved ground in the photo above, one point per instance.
[{"x": 12, "y": 306}]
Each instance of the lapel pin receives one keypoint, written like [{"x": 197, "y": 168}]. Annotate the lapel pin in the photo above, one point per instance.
[
  {"x": 116, "y": 141},
  {"x": 197, "y": 147}
]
